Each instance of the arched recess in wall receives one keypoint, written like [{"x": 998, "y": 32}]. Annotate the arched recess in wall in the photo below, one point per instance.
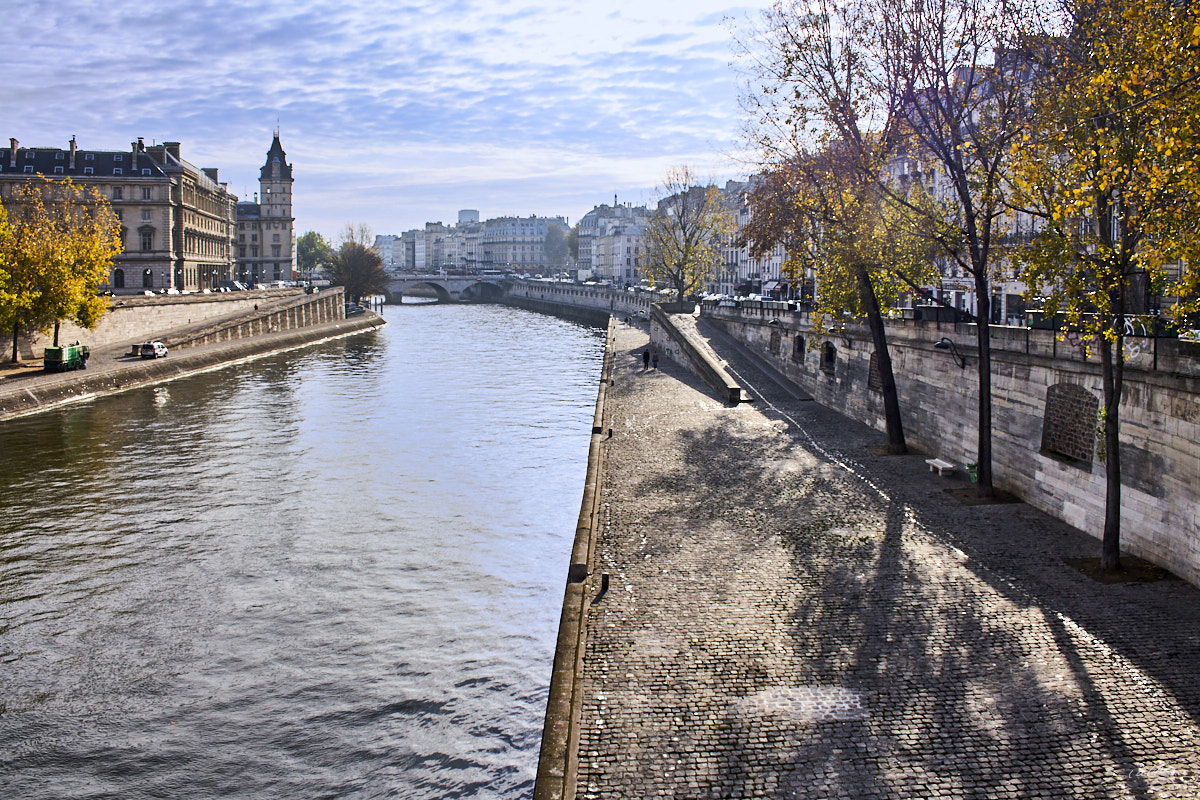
[
  {"x": 1069, "y": 424},
  {"x": 798, "y": 349},
  {"x": 776, "y": 339},
  {"x": 828, "y": 358}
]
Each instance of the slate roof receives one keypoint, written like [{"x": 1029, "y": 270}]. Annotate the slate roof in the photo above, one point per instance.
[
  {"x": 276, "y": 154},
  {"x": 51, "y": 161}
]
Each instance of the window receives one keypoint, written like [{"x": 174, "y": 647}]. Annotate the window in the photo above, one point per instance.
[
  {"x": 89, "y": 156},
  {"x": 147, "y": 279},
  {"x": 242, "y": 251},
  {"x": 59, "y": 155},
  {"x": 241, "y": 237},
  {"x": 118, "y": 171},
  {"x": 117, "y": 194},
  {"x": 275, "y": 237},
  {"x": 118, "y": 156},
  {"x": 118, "y": 279},
  {"x": 145, "y": 215},
  {"x": 145, "y": 192},
  {"x": 147, "y": 240},
  {"x": 254, "y": 237},
  {"x": 274, "y": 251},
  {"x": 117, "y": 212},
  {"x": 253, "y": 252},
  {"x": 145, "y": 170},
  {"x": 88, "y": 170},
  {"x": 29, "y": 168},
  {"x": 58, "y": 170}
]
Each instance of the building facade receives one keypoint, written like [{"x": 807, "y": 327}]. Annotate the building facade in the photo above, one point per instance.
[
  {"x": 177, "y": 220},
  {"x": 266, "y": 231}
]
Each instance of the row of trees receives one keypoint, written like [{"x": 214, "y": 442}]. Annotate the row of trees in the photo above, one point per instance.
[
  {"x": 57, "y": 243},
  {"x": 1078, "y": 117}
]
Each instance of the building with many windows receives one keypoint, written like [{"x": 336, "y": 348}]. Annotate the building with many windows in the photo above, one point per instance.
[
  {"x": 266, "y": 231},
  {"x": 177, "y": 219}
]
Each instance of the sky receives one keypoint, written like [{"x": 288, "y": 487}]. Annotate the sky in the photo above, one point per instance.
[{"x": 392, "y": 114}]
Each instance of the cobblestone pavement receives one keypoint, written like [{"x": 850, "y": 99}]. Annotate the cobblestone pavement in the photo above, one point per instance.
[{"x": 792, "y": 614}]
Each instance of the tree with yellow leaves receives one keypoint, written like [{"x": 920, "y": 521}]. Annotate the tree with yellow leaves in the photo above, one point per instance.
[
  {"x": 683, "y": 235},
  {"x": 55, "y": 252},
  {"x": 1111, "y": 174}
]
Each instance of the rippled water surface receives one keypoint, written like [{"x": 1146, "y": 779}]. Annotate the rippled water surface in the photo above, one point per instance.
[{"x": 330, "y": 573}]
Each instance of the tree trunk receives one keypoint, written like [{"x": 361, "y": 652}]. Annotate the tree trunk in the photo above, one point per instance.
[
  {"x": 56, "y": 327},
  {"x": 891, "y": 400},
  {"x": 1112, "y": 377},
  {"x": 16, "y": 353},
  {"x": 983, "y": 318}
]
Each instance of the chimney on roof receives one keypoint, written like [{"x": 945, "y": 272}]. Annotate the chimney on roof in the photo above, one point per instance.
[
  {"x": 173, "y": 149},
  {"x": 74, "y": 147},
  {"x": 12, "y": 152},
  {"x": 212, "y": 173},
  {"x": 141, "y": 143}
]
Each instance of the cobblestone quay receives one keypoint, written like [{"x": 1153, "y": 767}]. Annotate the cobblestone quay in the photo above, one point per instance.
[{"x": 793, "y": 614}]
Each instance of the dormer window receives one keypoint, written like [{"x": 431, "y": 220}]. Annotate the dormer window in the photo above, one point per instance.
[
  {"x": 59, "y": 155},
  {"x": 29, "y": 167},
  {"x": 58, "y": 170},
  {"x": 145, "y": 170},
  {"x": 89, "y": 156},
  {"x": 118, "y": 171},
  {"x": 118, "y": 156},
  {"x": 88, "y": 170}
]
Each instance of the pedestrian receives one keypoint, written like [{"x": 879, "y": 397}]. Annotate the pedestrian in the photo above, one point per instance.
[
  {"x": 646, "y": 359},
  {"x": 654, "y": 360}
]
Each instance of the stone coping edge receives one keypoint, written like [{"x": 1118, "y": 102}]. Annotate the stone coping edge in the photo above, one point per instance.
[
  {"x": 558, "y": 761},
  {"x": 180, "y": 364},
  {"x": 699, "y": 358}
]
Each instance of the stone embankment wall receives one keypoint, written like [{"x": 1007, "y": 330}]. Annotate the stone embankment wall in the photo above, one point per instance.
[
  {"x": 139, "y": 318},
  {"x": 286, "y": 313},
  {"x": 1046, "y": 396},
  {"x": 563, "y": 298}
]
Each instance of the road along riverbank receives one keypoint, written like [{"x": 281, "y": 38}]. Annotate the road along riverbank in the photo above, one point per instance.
[
  {"x": 773, "y": 608},
  {"x": 115, "y": 370}
]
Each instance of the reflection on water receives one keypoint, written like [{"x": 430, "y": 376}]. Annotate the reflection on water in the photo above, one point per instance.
[{"x": 331, "y": 573}]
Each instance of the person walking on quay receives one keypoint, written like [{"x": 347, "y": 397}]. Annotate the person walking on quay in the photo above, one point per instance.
[
  {"x": 646, "y": 359},
  {"x": 654, "y": 360}
]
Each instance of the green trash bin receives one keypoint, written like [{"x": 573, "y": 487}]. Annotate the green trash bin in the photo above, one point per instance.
[{"x": 973, "y": 471}]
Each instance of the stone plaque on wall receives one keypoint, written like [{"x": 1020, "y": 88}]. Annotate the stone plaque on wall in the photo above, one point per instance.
[
  {"x": 874, "y": 382},
  {"x": 1069, "y": 422}
]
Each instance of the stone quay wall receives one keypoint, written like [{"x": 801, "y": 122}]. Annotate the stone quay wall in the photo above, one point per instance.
[
  {"x": 557, "y": 297},
  {"x": 140, "y": 318},
  {"x": 1046, "y": 395},
  {"x": 286, "y": 313}
]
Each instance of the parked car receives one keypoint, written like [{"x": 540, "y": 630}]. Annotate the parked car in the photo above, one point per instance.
[
  {"x": 153, "y": 350},
  {"x": 354, "y": 309}
]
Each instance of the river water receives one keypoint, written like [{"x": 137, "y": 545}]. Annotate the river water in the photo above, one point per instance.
[{"x": 335, "y": 572}]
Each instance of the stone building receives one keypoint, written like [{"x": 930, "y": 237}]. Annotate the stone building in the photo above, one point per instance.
[
  {"x": 266, "y": 231},
  {"x": 177, "y": 219}
]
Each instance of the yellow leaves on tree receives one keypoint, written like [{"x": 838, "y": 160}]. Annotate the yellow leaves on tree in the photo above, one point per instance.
[
  {"x": 56, "y": 247},
  {"x": 683, "y": 235}
]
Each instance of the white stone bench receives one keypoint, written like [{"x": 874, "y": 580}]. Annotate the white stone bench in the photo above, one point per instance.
[{"x": 940, "y": 465}]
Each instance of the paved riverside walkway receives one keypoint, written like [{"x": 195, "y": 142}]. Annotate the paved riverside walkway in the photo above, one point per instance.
[{"x": 792, "y": 614}]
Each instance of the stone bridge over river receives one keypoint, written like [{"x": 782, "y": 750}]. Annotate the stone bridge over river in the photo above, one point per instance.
[{"x": 446, "y": 288}]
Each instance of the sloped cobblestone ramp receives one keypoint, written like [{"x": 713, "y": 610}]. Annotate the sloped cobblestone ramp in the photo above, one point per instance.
[{"x": 791, "y": 614}]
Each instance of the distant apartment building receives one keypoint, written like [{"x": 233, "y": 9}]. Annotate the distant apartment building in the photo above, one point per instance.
[
  {"x": 522, "y": 244},
  {"x": 740, "y": 272},
  {"x": 391, "y": 251},
  {"x": 177, "y": 220},
  {"x": 266, "y": 232},
  {"x": 599, "y": 256}
]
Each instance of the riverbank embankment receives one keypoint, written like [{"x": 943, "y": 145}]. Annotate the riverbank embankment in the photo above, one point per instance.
[
  {"x": 791, "y": 613},
  {"x": 285, "y": 324}
]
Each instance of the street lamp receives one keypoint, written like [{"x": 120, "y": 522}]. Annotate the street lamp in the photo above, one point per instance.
[{"x": 946, "y": 344}]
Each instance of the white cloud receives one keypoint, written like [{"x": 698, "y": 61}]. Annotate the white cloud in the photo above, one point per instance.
[{"x": 391, "y": 113}]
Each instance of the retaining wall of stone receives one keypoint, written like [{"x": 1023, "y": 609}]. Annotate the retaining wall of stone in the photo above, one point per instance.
[
  {"x": 1038, "y": 451},
  {"x": 140, "y": 318}
]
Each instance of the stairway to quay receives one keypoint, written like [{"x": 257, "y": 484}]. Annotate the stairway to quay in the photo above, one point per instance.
[{"x": 763, "y": 604}]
